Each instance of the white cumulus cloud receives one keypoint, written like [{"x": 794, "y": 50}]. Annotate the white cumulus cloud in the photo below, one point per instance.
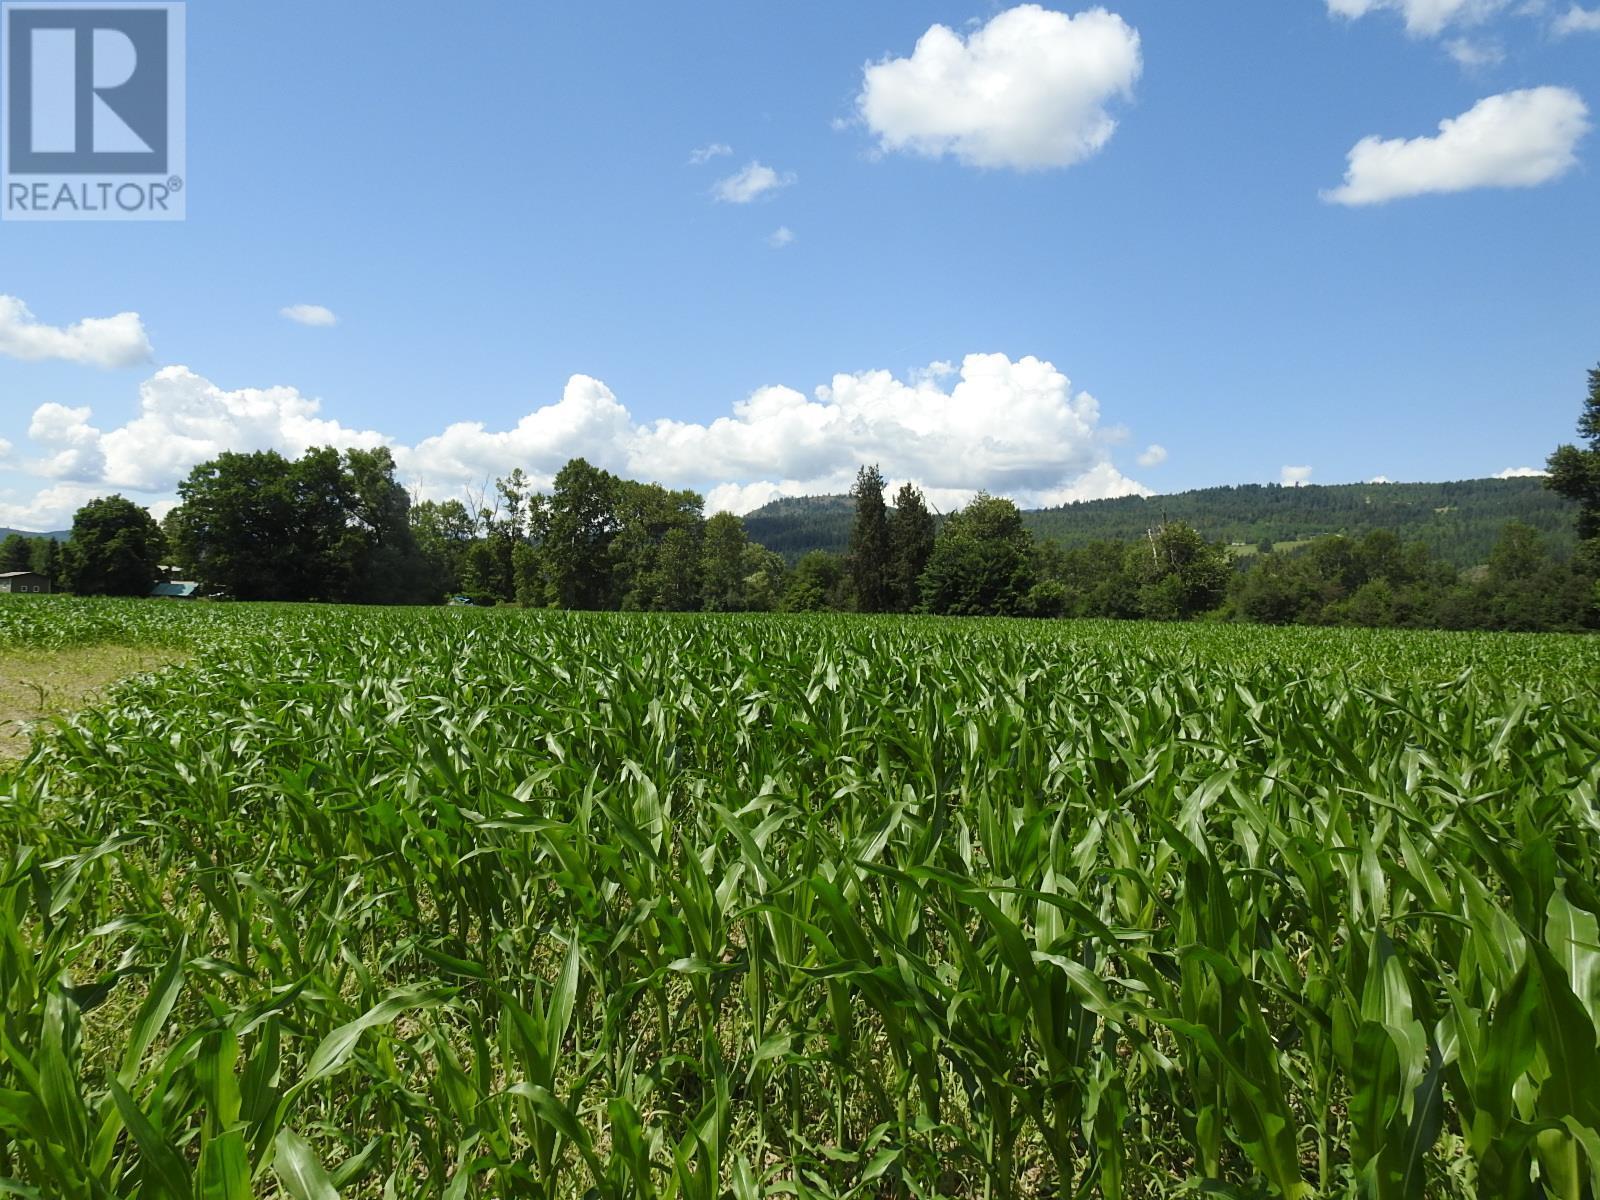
[
  {"x": 48, "y": 509},
  {"x": 72, "y": 444},
  {"x": 183, "y": 420},
  {"x": 1294, "y": 476},
  {"x": 309, "y": 314},
  {"x": 1516, "y": 139},
  {"x": 1029, "y": 90},
  {"x": 118, "y": 341},
  {"x": 1577, "y": 20},
  {"x": 780, "y": 237},
  {"x": 587, "y": 422},
  {"x": 704, "y": 154},
  {"x": 1424, "y": 18},
  {"x": 1153, "y": 456},
  {"x": 753, "y": 182},
  {"x": 1380, "y": 479},
  {"x": 1015, "y": 428},
  {"x": 1520, "y": 473}
]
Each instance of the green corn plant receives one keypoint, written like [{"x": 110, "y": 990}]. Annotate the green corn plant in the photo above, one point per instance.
[{"x": 464, "y": 903}]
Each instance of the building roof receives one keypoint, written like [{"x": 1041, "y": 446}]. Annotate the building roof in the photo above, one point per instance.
[{"x": 14, "y": 574}]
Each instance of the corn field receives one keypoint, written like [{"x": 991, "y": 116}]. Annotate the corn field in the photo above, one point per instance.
[{"x": 471, "y": 903}]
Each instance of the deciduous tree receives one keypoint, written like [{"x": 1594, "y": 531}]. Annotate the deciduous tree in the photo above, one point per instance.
[
  {"x": 583, "y": 523},
  {"x": 443, "y": 531},
  {"x": 722, "y": 560},
  {"x": 115, "y": 550},
  {"x": 982, "y": 562},
  {"x": 815, "y": 584},
  {"x": 1182, "y": 574}
]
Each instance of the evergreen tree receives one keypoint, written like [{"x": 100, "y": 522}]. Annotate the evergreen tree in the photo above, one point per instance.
[
  {"x": 16, "y": 553},
  {"x": 868, "y": 558},
  {"x": 911, "y": 536},
  {"x": 1458, "y": 521}
]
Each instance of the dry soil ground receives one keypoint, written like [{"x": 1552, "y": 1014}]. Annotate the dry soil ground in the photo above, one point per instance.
[{"x": 39, "y": 684}]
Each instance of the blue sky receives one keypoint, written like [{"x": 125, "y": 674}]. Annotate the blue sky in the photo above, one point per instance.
[{"x": 497, "y": 205}]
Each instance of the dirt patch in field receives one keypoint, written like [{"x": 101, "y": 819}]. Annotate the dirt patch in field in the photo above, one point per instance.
[{"x": 35, "y": 684}]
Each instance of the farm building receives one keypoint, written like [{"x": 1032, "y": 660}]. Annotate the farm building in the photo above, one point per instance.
[
  {"x": 24, "y": 581},
  {"x": 176, "y": 589}
]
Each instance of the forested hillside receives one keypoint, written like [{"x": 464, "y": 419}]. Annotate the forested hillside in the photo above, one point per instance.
[
  {"x": 794, "y": 525},
  {"x": 1458, "y": 521}
]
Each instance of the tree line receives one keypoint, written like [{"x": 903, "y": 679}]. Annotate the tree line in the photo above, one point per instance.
[
  {"x": 984, "y": 561},
  {"x": 597, "y": 542},
  {"x": 1458, "y": 521},
  {"x": 339, "y": 527}
]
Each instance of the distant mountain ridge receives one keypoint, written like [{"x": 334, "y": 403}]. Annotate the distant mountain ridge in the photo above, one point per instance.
[
  {"x": 59, "y": 535},
  {"x": 1458, "y": 521}
]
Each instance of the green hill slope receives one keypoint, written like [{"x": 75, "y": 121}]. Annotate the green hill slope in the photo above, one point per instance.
[
  {"x": 795, "y": 525},
  {"x": 1457, "y": 521}
]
